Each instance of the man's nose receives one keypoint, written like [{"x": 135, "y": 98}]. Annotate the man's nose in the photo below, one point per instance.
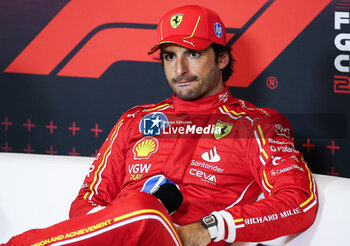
[{"x": 181, "y": 67}]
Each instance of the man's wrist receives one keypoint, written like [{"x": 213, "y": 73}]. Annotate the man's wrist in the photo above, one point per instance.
[{"x": 193, "y": 234}]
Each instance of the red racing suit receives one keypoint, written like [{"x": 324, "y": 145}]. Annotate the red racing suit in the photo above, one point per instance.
[{"x": 222, "y": 152}]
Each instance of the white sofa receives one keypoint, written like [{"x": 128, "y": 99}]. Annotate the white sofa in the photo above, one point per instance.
[{"x": 36, "y": 191}]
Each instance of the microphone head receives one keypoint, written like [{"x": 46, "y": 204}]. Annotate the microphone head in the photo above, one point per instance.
[{"x": 170, "y": 196}]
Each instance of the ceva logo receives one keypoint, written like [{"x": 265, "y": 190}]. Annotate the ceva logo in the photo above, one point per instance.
[{"x": 87, "y": 36}]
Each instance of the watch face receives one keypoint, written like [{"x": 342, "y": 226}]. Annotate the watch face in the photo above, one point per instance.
[{"x": 209, "y": 220}]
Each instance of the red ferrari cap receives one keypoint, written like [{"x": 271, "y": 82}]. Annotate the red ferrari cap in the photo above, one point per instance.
[{"x": 190, "y": 26}]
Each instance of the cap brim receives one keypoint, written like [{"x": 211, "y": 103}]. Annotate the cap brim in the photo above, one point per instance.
[{"x": 187, "y": 42}]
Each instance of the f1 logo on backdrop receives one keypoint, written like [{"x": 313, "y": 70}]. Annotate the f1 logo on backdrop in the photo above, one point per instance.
[{"x": 88, "y": 36}]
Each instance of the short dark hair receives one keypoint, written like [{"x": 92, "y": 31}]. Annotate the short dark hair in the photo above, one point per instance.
[{"x": 218, "y": 50}]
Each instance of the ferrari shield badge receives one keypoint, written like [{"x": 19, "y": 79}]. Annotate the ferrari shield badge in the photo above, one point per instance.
[
  {"x": 225, "y": 128},
  {"x": 176, "y": 20}
]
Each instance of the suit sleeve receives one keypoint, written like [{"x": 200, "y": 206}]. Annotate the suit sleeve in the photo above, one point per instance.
[
  {"x": 105, "y": 177},
  {"x": 290, "y": 202}
]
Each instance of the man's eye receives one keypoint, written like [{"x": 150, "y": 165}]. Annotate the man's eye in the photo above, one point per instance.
[
  {"x": 168, "y": 57},
  {"x": 194, "y": 54}
]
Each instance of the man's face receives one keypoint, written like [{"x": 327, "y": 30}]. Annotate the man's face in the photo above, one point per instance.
[{"x": 193, "y": 74}]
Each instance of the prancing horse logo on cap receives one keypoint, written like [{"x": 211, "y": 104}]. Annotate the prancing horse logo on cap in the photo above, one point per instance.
[{"x": 176, "y": 20}]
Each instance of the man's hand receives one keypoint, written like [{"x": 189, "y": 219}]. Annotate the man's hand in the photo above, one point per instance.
[{"x": 194, "y": 234}]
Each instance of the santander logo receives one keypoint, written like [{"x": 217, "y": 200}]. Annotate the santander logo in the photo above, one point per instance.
[{"x": 211, "y": 156}]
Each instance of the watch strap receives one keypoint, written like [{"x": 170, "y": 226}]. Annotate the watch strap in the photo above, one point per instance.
[{"x": 210, "y": 222}]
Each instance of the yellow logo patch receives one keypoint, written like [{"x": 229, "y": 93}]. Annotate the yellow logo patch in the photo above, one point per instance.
[
  {"x": 176, "y": 20},
  {"x": 145, "y": 147},
  {"x": 225, "y": 128}
]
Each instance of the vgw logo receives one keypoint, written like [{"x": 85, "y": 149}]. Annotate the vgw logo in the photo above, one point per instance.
[
  {"x": 137, "y": 170},
  {"x": 87, "y": 36}
]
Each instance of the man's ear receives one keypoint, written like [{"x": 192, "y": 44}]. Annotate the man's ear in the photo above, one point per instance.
[{"x": 223, "y": 59}]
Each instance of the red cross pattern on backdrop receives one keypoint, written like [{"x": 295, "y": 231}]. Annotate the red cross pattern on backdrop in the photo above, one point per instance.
[
  {"x": 6, "y": 124},
  {"x": 333, "y": 173},
  {"x": 51, "y": 151},
  {"x": 6, "y": 147},
  {"x": 333, "y": 147},
  {"x": 73, "y": 128},
  {"x": 74, "y": 153},
  {"x": 51, "y": 126},
  {"x": 28, "y": 125},
  {"x": 29, "y": 149},
  {"x": 96, "y": 130},
  {"x": 308, "y": 145}
]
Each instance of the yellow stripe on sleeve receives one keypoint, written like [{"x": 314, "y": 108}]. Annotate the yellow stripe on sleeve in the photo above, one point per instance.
[
  {"x": 267, "y": 182},
  {"x": 86, "y": 194},
  {"x": 261, "y": 134},
  {"x": 309, "y": 175},
  {"x": 103, "y": 160},
  {"x": 238, "y": 220},
  {"x": 264, "y": 152}
]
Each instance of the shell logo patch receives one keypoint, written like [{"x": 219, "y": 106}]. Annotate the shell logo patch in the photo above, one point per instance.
[
  {"x": 176, "y": 20},
  {"x": 145, "y": 147}
]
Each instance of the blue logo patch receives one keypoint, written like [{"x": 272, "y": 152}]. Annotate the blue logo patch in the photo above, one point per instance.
[
  {"x": 218, "y": 29},
  {"x": 153, "y": 123}
]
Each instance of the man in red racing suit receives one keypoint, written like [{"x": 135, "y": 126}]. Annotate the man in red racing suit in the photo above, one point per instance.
[{"x": 221, "y": 152}]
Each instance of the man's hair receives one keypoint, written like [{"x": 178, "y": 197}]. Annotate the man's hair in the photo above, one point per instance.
[{"x": 218, "y": 50}]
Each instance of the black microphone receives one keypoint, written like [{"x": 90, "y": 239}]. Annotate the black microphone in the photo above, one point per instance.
[{"x": 170, "y": 196}]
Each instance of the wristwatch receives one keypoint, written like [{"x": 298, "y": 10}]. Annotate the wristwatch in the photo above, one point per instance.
[{"x": 210, "y": 222}]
